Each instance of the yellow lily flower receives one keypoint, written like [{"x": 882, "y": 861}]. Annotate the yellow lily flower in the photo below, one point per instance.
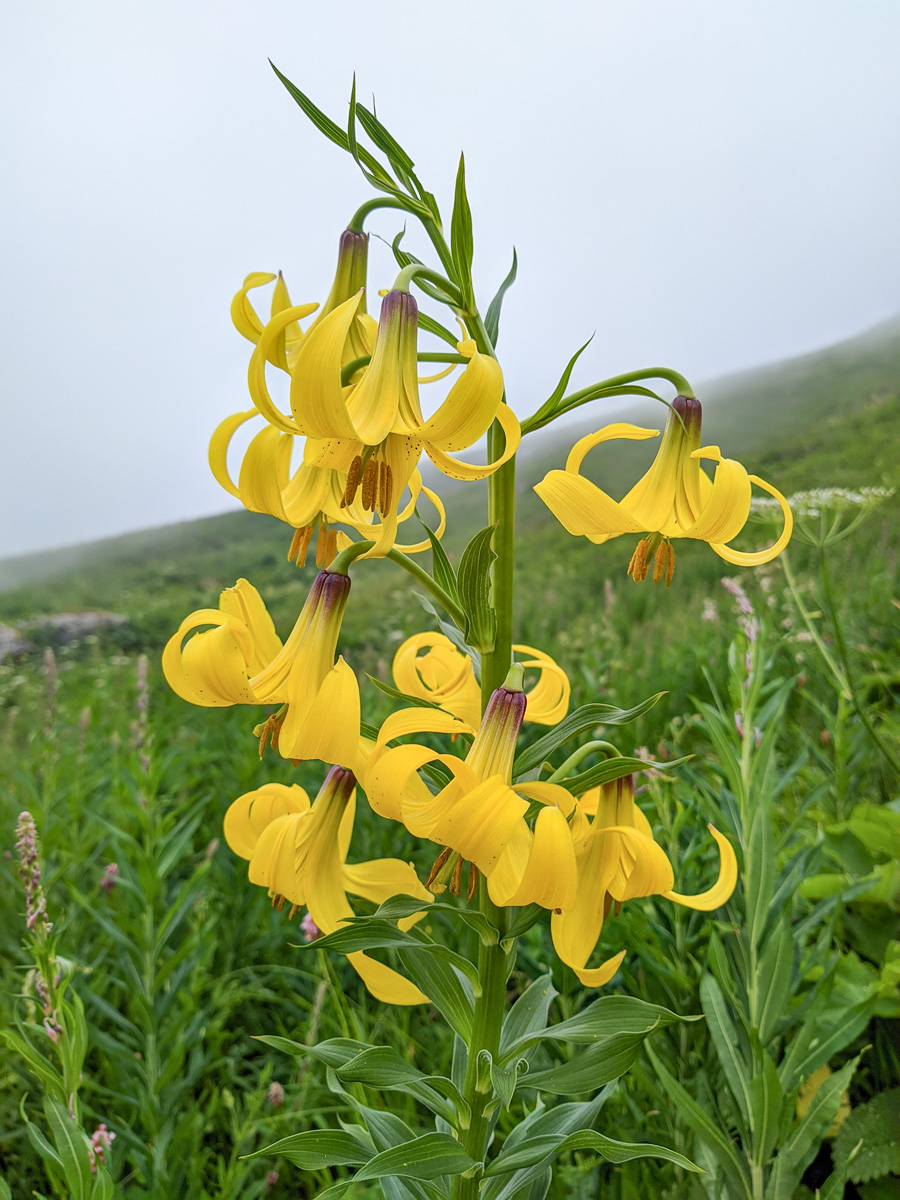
[
  {"x": 617, "y": 859},
  {"x": 374, "y": 429},
  {"x": 242, "y": 661},
  {"x": 349, "y": 278},
  {"x": 479, "y": 815},
  {"x": 298, "y": 851},
  {"x": 445, "y": 676},
  {"x": 311, "y": 500},
  {"x": 674, "y": 499}
]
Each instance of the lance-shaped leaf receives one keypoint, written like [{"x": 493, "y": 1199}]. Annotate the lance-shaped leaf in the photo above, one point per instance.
[
  {"x": 598, "y": 1022},
  {"x": 383, "y": 1067},
  {"x": 441, "y": 568},
  {"x": 438, "y": 980},
  {"x": 475, "y": 591},
  {"x": 725, "y": 1039},
  {"x": 398, "y": 907},
  {"x": 461, "y": 241},
  {"x": 373, "y": 934},
  {"x": 425, "y": 1157},
  {"x": 547, "y": 409},
  {"x": 589, "y": 716},
  {"x": 615, "y": 768},
  {"x": 333, "y": 1053},
  {"x": 319, "y": 1148},
  {"x": 528, "y": 1016},
  {"x": 492, "y": 319},
  {"x": 800, "y": 1148},
  {"x": 549, "y": 1146},
  {"x": 72, "y": 1149},
  {"x": 599, "y": 1064}
]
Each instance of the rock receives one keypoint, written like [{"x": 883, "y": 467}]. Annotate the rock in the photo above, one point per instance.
[
  {"x": 12, "y": 642},
  {"x": 63, "y": 629}
]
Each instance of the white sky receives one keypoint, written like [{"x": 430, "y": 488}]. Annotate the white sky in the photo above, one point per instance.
[{"x": 707, "y": 184}]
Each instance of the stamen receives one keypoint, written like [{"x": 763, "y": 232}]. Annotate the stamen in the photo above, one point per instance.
[
  {"x": 369, "y": 485},
  {"x": 330, "y": 547},
  {"x": 385, "y": 489},
  {"x": 295, "y": 908},
  {"x": 473, "y": 883},
  {"x": 637, "y": 568},
  {"x": 659, "y": 562},
  {"x": 456, "y": 877},
  {"x": 320, "y": 547},
  {"x": 433, "y": 882},
  {"x": 670, "y": 566},
  {"x": 278, "y": 902},
  {"x": 295, "y": 544},
  {"x": 353, "y": 477}
]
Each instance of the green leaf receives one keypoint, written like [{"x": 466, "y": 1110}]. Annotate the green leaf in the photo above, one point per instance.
[
  {"x": 598, "y": 1022},
  {"x": 759, "y": 873},
  {"x": 766, "y": 1100},
  {"x": 441, "y": 568},
  {"x": 528, "y": 1015},
  {"x": 524, "y": 919},
  {"x": 398, "y": 907},
  {"x": 430, "y": 325},
  {"x": 875, "y": 1125},
  {"x": 724, "y": 1038},
  {"x": 776, "y": 966},
  {"x": 324, "y": 124},
  {"x": 800, "y": 1149},
  {"x": 383, "y": 1067},
  {"x": 372, "y": 934},
  {"x": 385, "y": 141},
  {"x": 441, "y": 985},
  {"x": 588, "y": 717},
  {"x": 317, "y": 1149},
  {"x": 546, "y": 409},
  {"x": 461, "y": 241},
  {"x": 492, "y": 320},
  {"x": 414, "y": 701},
  {"x": 333, "y": 1053},
  {"x": 425, "y": 1157},
  {"x": 597, "y": 1065},
  {"x": 504, "y": 1080},
  {"x": 711, "y": 1134},
  {"x": 615, "y": 768},
  {"x": 72, "y": 1148},
  {"x": 475, "y": 591},
  {"x": 549, "y": 1146}
]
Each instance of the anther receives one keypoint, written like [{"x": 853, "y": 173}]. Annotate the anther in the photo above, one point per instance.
[
  {"x": 659, "y": 562},
  {"x": 456, "y": 877},
  {"x": 670, "y": 565},
  {"x": 278, "y": 902},
  {"x": 296, "y": 541},
  {"x": 385, "y": 489},
  {"x": 369, "y": 485},
  {"x": 353, "y": 476},
  {"x": 439, "y": 864},
  {"x": 330, "y": 547},
  {"x": 637, "y": 568},
  {"x": 473, "y": 883}
]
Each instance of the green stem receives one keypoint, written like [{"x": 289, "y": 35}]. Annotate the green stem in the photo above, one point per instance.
[
  {"x": 581, "y": 753},
  {"x": 435, "y": 356},
  {"x": 549, "y": 412},
  {"x": 359, "y": 217},
  {"x": 606, "y": 387},
  {"x": 417, "y": 271},
  {"x": 340, "y": 565}
]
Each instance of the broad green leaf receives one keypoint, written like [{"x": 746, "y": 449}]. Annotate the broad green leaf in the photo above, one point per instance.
[
  {"x": 606, "y": 1018},
  {"x": 589, "y": 716},
  {"x": 425, "y": 1157},
  {"x": 592, "y": 1068},
  {"x": 523, "y": 921},
  {"x": 776, "y": 965},
  {"x": 504, "y": 1080},
  {"x": 72, "y": 1148},
  {"x": 333, "y": 1053},
  {"x": 441, "y": 568},
  {"x": 441, "y": 985},
  {"x": 475, "y": 591},
  {"x": 492, "y": 319},
  {"x": 724, "y": 1038},
  {"x": 376, "y": 934},
  {"x": 461, "y": 242},
  {"x": 395, "y": 694},
  {"x": 765, "y": 1108},
  {"x": 383, "y": 1067},
  {"x": 705, "y": 1127},
  {"x": 528, "y": 1015},
  {"x": 615, "y": 768},
  {"x": 318, "y": 1148},
  {"x": 398, "y": 907},
  {"x": 549, "y": 1146},
  {"x": 800, "y": 1149}
]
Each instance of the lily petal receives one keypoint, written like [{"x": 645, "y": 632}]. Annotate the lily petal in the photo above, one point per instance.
[
  {"x": 454, "y": 468},
  {"x": 218, "y": 449},
  {"x": 721, "y": 890},
  {"x": 471, "y": 404},
  {"x": 249, "y": 815}
]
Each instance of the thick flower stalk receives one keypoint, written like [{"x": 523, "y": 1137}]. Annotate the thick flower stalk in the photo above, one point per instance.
[
  {"x": 674, "y": 499},
  {"x": 298, "y": 852},
  {"x": 617, "y": 859},
  {"x": 374, "y": 429},
  {"x": 241, "y": 660},
  {"x": 445, "y": 676}
]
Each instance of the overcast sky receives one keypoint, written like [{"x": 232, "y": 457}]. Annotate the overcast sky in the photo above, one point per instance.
[{"x": 707, "y": 184}]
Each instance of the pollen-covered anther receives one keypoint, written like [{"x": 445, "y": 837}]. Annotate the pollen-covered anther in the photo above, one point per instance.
[
  {"x": 473, "y": 883},
  {"x": 385, "y": 488},
  {"x": 670, "y": 564},
  {"x": 330, "y": 547},
  {"x": 300, "y": 545},
  {"x": 353, "y": 477},
  {"x": 321, "y": 547},
  {"x": 370, "y": 485},
  {"x": 441, "y": 871},
  {"x": 278, "y": 902},
  {"x": 638, "y": 566},
  {"x": 269, "y": 730},
  {"x": 456, "y": 877},
  {"x": 660, "y": 561}
]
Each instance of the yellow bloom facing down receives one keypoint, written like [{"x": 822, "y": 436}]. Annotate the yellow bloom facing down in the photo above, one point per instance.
[
  {"x": 374, "y": 428},
  {"x": 479, "y": 815},
  {"x": 674, "y": 499},
  {"x": 298, "y": 851},
  {"x": 241, "y": 661},
  {"x": 617, "y": 859},
  {"x": 312, "y": 498},
  {"x": 445, "y": 676}
]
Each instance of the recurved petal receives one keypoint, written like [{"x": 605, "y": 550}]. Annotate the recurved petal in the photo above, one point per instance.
[
  {"x": 243, "y": 314},
  {"x": 425, "y": 544},
  {"x": 548, "y": 793},
  {"x": 455, "y": 469},
  {"x": 757, "y": 558},
  {"x": 549, "y": 874},
  {"x": 477, "y": 823},
  {"x": 328, "y": 728},
  {"x": 471, "y": 403},
  {"x": 317, "y": 398},
  {"x": 265, "y": 472},
  {"x": 245, "y": 603},
  {"x": 643, "y": 869},
  {"x": 420, "y": 720},
  {"x": 386, "y": 777},
  {"x": 249, "y": 815},
  {"x": 274, "y": 865},
  {"x": 727, "y": 507},
  {"x": 215, "y": 667},
  {"x": 618, "y": 431},
  {"x": 548, "y": 700},
  {"x": 721, "y": 890},
  {"x": 385, "y": 984},
  {"x": 218, "y": 449},
  {"x": 306, "y": 494},
  {"x": 171, "y": 656},
  {"x": 583, "y": 509},
  {"x": 382, "y": 878},
  {"x": 576, "y": 931},
  {"x": 598, "y": 976}
]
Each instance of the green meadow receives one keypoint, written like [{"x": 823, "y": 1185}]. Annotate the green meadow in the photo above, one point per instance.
[{"x": 179, "y": 962}]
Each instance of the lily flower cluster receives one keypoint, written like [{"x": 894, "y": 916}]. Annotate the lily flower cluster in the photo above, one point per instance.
[{"x": 355, "y": 409}]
